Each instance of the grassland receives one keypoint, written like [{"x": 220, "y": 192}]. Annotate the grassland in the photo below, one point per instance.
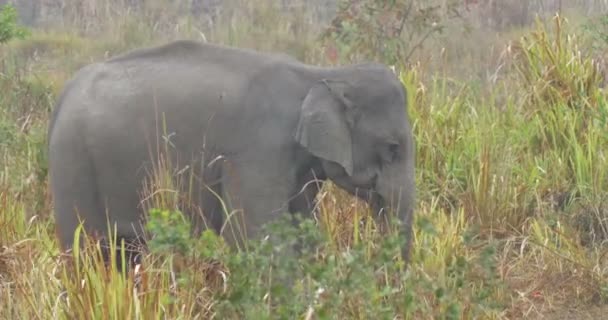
[{"x": 512, "y": 212}]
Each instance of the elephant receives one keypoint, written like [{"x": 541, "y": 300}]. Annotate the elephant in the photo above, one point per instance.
[{"x": 254, "y": 133}]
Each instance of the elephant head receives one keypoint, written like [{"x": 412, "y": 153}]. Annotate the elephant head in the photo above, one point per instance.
[{"x": 355, "y": 121}]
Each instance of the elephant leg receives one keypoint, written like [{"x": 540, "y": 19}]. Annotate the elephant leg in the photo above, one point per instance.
[
  {"x": 75, "y": 196},
  {"x": 212, "y": 213},
  {"x": 203, "y": 206},
  {"x": 77, "y": 200},
  {"x": 255, "y": 193},
  {"x": 304, "y": 205},
  {"x": 304, "y": 200}
]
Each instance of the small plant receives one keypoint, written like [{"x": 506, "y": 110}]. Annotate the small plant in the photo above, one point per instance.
[
  {"x": 9, "y": 29},
  {"x": 171, "y": 231}
]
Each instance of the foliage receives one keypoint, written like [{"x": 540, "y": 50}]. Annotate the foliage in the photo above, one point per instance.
[
  {"x": 9, "y": 29},
  {"x": 388, "y": 31},
  {"x": 171, "y": 231},
  {"x": 361, "y": 283}
]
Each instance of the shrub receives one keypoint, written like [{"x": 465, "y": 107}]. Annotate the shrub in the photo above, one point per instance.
[{"x": 9, "y": 29}]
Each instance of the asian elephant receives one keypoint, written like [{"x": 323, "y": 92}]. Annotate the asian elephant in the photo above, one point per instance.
[{"x": 250, "y": 132}]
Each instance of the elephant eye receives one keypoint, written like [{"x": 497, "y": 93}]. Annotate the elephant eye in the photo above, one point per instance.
[
  {"x": 393, "y": 148},
  {"x": 390, "y": 152}
]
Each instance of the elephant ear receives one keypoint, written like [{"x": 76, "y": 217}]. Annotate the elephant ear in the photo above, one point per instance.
[{"x": 323, "y": 128}]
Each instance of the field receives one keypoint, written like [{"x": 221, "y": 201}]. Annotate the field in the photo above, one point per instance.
[{"x": 512, "y": 177}]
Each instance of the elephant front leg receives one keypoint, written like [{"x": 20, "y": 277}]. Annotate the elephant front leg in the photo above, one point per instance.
[
  {"x": 254, "y": 195},
  {"x": 303, "y": 201}
]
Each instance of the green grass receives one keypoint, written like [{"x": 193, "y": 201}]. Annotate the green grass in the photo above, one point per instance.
[{"x": 511, "y": 219}]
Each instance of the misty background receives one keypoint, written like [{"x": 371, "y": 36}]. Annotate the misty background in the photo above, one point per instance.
[{"x": 497, "y": 14}]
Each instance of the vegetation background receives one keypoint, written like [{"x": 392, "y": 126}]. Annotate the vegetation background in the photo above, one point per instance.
[{"x": 509, "y": 107}]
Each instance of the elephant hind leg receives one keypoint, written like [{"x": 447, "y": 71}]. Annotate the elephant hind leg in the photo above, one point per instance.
[
  {"x": 77, "y": 199},
  {"x": 74, "y": 190},
  {"x": 133, "y": 248}
]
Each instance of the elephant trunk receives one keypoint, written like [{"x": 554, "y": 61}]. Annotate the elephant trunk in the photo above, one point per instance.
[{"x": 396, "y": 191}]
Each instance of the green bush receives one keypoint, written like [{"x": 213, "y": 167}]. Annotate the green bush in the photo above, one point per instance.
[
  {"x": 269, "y": 281},
  {"x": 9, "y": 29}
]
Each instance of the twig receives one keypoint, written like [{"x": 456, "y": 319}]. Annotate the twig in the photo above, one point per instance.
[
  {"x": 406, "y": 14},
  {"x": 419, "y": 43}
]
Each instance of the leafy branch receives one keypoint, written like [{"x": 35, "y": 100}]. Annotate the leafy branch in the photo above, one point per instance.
[{"x": 389, "y": 31}]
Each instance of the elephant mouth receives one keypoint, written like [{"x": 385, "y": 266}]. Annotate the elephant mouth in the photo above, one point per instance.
[
  {"x": 370, "y": 196},
  {"x": 367, "y": 194},
  {"x": 377, "y": 203}
]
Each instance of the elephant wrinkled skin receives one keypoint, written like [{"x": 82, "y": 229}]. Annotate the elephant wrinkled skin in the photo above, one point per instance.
[{"x": 252, "y": 129}]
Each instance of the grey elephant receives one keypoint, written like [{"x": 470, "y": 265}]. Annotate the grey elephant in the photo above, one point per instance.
[{"x": 251, "y": 132}]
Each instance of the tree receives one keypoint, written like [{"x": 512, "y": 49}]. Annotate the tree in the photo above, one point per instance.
[{"x": 386, "y": 30}]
